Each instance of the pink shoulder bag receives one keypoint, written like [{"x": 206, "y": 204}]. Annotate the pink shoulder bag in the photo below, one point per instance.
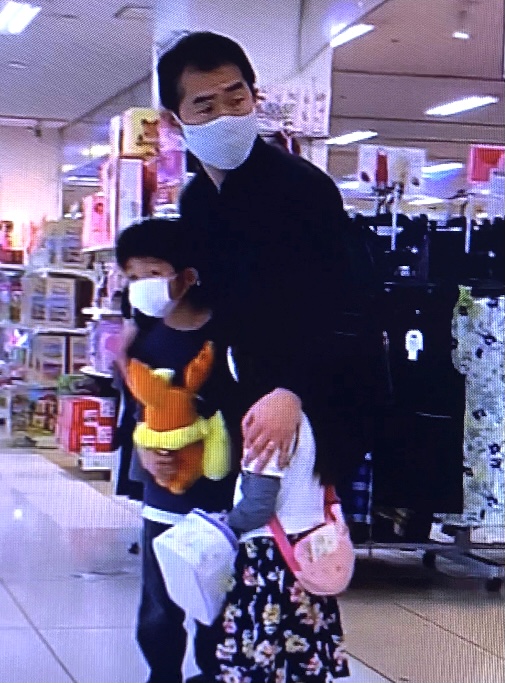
[{"x": 323, "y": 560}]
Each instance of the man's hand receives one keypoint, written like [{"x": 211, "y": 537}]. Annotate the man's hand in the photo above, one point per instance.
[
  {"x": 269, "y": 427},
  {"x": 160, "y": 464}
]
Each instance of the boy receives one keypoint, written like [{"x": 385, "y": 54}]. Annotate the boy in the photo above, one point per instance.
[{"x": 163, "y": 285}]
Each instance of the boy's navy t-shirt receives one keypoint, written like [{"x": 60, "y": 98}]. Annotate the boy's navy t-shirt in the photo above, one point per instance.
[{"x": 163, "y": 347}]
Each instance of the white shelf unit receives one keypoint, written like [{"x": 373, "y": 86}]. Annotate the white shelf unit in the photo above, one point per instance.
[
  {"x": 45, "y": 271},
  {"x": 89, "y": 370},
  {"x": 12, "y": 268}
]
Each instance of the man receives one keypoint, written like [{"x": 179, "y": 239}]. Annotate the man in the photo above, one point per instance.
[{"x": 275, "y": 245}]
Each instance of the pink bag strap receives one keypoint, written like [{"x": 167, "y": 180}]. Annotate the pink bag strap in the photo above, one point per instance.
[
  {"x": 281, "y": 539},
  {"x": 285, "y": 547}
]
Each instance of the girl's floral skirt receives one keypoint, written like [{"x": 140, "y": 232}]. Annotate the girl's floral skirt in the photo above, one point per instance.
[{"x": 274, "y": 631}]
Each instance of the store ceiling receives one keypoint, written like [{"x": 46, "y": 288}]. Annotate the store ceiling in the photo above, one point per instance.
[
  {"x": 386, "y": 80},
  {"x": 77, "y": 54}
]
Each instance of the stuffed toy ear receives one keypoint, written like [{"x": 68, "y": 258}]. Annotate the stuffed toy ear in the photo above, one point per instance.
[
  {"x": 148, "y": 386},
  {"x": 197, "y": 372}
]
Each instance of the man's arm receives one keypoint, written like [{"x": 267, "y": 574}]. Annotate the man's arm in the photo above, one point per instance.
[{"x": 308, "y": 289}]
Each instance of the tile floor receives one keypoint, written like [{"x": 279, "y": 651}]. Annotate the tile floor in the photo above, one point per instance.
[{"x": 69, "y": 591}]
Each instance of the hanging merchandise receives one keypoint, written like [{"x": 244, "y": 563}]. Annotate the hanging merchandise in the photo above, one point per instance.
[
  {"x": 479, "y": 335},
  {"x": 304, "y": 106},
  {"x": 8, "y": 254},
  {"x": 96, "y": 229},
  {"x": 482, "y": 160},
  {"x": 170, "y": 164},
  {"x": 380, "y": 168},
  {"x": 140, "y": 133}
]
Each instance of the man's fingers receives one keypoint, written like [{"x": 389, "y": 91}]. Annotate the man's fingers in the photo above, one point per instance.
[{"x": 284, "y": 455}]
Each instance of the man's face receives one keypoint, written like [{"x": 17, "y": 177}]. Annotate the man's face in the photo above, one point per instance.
[{"x": 207, "y": 95}]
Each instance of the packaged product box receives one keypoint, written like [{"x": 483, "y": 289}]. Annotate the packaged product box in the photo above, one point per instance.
[
  {"x": 76, "y": 384},
  {"x": 90, "y": 422},
  {"x": 6, "y": 231},
  {"x": 63, "y": 241},
  {"x": 11, "y": 256},
  {"x": 170, "y": 164},
  {"x": 140, "y": 137},
  {"x": 107, "y": 340},
  {"x": 48, "y": 357},
  {"x": 60, "y": 311},
  {"x": 78, "y": 353},
  {"x": 130, "y": 192},
  {"x": 34, "y": 410},
  {"x": 95, "y": 229}
]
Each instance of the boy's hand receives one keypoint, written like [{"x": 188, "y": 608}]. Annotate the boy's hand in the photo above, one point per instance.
[
  {"x": 269, "y": 427},
  {"x": 160, "y": 464}
]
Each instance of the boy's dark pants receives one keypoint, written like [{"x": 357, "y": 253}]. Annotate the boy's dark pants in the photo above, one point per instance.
[{"x": 160, "y": 632}]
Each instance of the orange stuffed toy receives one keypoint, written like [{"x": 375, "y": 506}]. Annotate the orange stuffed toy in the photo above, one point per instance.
[{"x": 172, "y": 423}]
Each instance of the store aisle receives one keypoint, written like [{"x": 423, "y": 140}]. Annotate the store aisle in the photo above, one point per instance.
[{"x": 69, "y": 592}]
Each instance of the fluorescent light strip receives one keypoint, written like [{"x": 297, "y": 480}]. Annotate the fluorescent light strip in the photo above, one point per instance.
[
  {"x": 16, "y": 16},
  {"x": 350, "y": 34},
  {"x": 348, "y": 138},
  {"x": 442, "y": 168},
  {"x": 461, "y": 35},
  {"x": 458, "y": 106}
]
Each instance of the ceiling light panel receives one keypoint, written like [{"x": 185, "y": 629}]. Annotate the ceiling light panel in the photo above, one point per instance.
[
  {"x": 15, "y": 16},
  {"x": 461, "y": 35},
  {"x": 134, "y": 13},
  {"x": 458, "y": 106},
  {"x": 442, "y": 168},
  {"x": 341, "y": 37},
  {"x": 355, "y": 136}
]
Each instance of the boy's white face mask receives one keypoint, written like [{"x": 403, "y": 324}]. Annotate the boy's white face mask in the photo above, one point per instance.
[
  {"x": 224, "y": 143},
  {"x": 151, "y": 296}
]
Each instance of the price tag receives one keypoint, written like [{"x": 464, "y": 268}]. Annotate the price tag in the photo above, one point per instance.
[{"x": 414, "y": 342}]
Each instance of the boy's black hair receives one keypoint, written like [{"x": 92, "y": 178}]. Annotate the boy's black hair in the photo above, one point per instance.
[
  {"x": 158, "y": 238},
  {"x": 202, "y": 51},
  {"x": 164, "y": 239}
]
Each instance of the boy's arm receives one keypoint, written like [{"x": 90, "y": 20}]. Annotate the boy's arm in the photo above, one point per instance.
[{"x": 257, "y": 506}]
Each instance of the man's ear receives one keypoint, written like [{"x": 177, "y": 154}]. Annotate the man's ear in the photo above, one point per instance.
[
  {"x": 174, "y": 120},
  {"x": 191, "y": 277}
]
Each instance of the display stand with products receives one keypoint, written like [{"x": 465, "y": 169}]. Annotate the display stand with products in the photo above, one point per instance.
[{"x": 446, "y": 431}]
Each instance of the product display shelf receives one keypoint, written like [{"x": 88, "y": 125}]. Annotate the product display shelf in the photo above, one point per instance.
[
  {"x": 41, "y": 329},
  {"x": 46, "y": 271},
  {"x": 96, "y": 462},
  {"x": 12, "y": 267},
  {"x": 103, "y": 462},
  {"x": 100, "y": 248},
  {"x": 97, "y": 312},
  {"x": 92, "y": 372}
]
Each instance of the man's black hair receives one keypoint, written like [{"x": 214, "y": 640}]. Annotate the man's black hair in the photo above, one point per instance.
[{"x": 202, "y": 51}]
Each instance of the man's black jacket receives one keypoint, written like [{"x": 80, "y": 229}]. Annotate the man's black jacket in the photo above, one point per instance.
[{"x": 287, "y": 279}]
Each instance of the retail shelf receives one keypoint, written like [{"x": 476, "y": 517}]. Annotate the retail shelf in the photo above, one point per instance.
[
  {"x": 92, "y": 250},
  {"x": 11, "y": 323},
  {"x": 97, "y": 312},
  {"x": 99, "y": 462},
  {"x": 90, "y": 370},
  {"x": 59, "y": 330},
  {"x": 72, "y": 272},
  {"x": 12, "y": 267}
]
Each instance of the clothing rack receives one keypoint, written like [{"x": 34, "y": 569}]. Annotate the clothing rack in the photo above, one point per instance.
[{"x": 474, "y": 256}]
